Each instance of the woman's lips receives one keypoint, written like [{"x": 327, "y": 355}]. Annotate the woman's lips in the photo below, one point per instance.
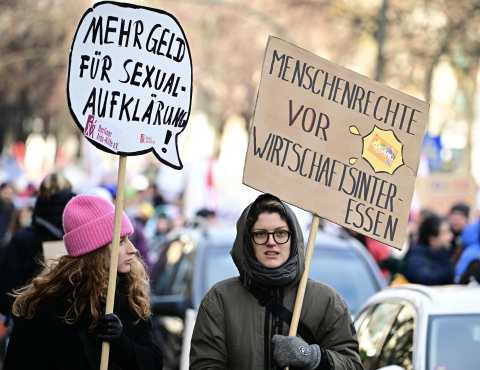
[{"x": 271, "y": 254}]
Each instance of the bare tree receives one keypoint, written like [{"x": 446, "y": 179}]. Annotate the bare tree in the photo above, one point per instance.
[{"x": 34, "y": 49}]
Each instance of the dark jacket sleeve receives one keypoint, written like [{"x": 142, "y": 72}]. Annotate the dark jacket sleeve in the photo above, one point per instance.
[
  {"x": 338, "y": 339},
  {"x": 26, "y": 348},
  {"x": 138, "y": 350},
  {"x": 208, "y": 349}
]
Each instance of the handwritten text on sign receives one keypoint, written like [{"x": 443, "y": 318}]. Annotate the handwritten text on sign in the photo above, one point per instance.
[
  {"x": 130, "y": 80},
  {"x": 335, "y": 143}
]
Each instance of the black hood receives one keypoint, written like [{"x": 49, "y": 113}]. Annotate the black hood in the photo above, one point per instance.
[
  {"x": 48, "y": 211},
  {"x": 242, "y": 253}
]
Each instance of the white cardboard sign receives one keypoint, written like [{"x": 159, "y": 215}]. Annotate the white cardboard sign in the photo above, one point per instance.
[
  {"x": 130, "y": 80},
  {"x": 53, "y": 250}
]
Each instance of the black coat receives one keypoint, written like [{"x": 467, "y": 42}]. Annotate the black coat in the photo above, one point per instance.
[
  {"x": 46, "y": 342},
  {"x": 426, "y": 266},
  {"x": 21, "y": 261},
  {"x": 22, "y": 258},
  {"x": 7, "y": 212}
]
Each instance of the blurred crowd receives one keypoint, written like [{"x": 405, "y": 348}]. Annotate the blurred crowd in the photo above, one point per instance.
[
  {"x": 440, "y": 249},
  {"x": 31, "y": 216}
]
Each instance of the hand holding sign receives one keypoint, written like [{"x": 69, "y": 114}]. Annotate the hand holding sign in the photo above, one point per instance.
[{"x": 130, "y": 80}]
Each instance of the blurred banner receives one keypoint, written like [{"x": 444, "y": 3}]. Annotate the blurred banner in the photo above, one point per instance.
[
  {"x": 432, "y": 150},
  {"x": 439, "y": 192}
]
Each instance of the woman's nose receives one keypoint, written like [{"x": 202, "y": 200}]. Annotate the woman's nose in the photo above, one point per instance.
[
  {"x": 131, "y": 248},
  {"x": 270, "y": 240}
]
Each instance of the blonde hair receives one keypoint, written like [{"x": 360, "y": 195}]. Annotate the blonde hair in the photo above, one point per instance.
[{"x": 82, "y": 283}]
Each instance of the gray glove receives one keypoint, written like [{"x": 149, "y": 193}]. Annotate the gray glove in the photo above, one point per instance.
[{"x": 294, "y": 351}]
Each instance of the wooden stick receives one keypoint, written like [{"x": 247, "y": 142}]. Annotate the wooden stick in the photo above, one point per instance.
[
  {"x": 297, "y": 310},
  {"x": 112, "y": 277}
]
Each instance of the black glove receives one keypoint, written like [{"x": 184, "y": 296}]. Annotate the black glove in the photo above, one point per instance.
[
  {"x": 295, "y": 352},
  {"x": 109, "y": 328}
]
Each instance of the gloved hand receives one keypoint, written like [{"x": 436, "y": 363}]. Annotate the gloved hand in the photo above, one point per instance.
[
  {"x": 295, "y": 352},
  {"x": 109, "y": 328}
]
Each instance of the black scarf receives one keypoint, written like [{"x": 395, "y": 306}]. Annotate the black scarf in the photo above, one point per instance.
[{"x": 259, "y": 275}]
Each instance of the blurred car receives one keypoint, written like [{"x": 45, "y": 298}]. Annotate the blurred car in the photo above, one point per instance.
[
  {"x": 193, "y": 260},
  {"x": 414, "y": 327}
]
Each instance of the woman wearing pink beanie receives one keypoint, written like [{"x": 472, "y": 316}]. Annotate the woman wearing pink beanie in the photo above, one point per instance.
[{"x": 59, "y": 316}]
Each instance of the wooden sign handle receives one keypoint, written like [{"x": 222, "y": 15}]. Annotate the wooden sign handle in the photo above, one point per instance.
[
  {"x": 303, "y": 282},
  {"x": 115, "y": 247},
  {"x": 297, "y": 309}
]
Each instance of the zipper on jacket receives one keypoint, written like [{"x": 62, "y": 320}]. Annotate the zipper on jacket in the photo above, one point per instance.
[
  {"x": 273, "y": 325},
  {"x": 267, "y": 345}
]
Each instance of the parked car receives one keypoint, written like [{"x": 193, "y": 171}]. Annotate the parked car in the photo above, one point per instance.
[
  {"x": 414, "y": 327},
  {"x": 195, "y": 259}
]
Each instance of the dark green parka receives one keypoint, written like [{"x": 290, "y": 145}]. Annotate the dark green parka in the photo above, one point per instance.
[{"x": 238, "y": 317}]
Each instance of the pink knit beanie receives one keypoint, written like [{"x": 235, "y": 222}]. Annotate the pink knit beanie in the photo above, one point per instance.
[{"x": 88, "y": 222}]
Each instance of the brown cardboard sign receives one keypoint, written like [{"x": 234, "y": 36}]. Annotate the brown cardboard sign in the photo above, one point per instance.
[{"x": 335, "y": 143}]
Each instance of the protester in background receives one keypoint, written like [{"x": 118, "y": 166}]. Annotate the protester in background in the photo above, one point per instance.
[
  {"x": 23, "y": 217},
  {"x": 467, "y": 265},
  {"x": 428, "y": 262},
  {"x": 156, "y": 231},
  {"x": 414, "y": 221},
  {"x": 65, "y": 303},
  {"x": 472, "y": 272},
  {"x": 141, "y": 243},
  {"x": 204, "y": 217},
  {"x": 153, "y": 196},
  {"x": 458, "y": 219},
  {"x": 7, "y": 210},
  {"x": 243, "y": 322},
  {"x": 24, "y": 204},
  {"x": 138, "y": 237},
  {"x": 23, "y": 257}
]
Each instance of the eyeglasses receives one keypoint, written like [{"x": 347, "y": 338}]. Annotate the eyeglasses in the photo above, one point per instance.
[{"x": 279, "y": 236}]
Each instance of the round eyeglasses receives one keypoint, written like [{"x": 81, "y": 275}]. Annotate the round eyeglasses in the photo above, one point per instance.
[{"x": 279, "y": 236}]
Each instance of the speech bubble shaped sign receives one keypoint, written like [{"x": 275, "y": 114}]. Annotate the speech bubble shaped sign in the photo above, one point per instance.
[{"x": 130, "y": 80}]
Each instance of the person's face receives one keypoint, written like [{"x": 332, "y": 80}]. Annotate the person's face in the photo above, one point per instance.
[
  {"x": 271, "y": 254},
  {"x": 126, "y": 256},
  {"x": 163, "y": 226},
  {"x": 7, "y": 193},
  {"x": 457, "y": 221},
  {"x": 443, "y": 239}
]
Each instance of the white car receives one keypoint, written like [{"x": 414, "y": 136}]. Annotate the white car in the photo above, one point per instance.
[{"x": 414, "y": 327}]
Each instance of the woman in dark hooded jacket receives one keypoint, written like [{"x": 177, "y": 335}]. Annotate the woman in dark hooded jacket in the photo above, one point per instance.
[
  {"x": 243, "y": 322},
  {"x": 23, "y": 256},
  {"x": 59, "y": 317},
  {"x": 429, "y": 261}
]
